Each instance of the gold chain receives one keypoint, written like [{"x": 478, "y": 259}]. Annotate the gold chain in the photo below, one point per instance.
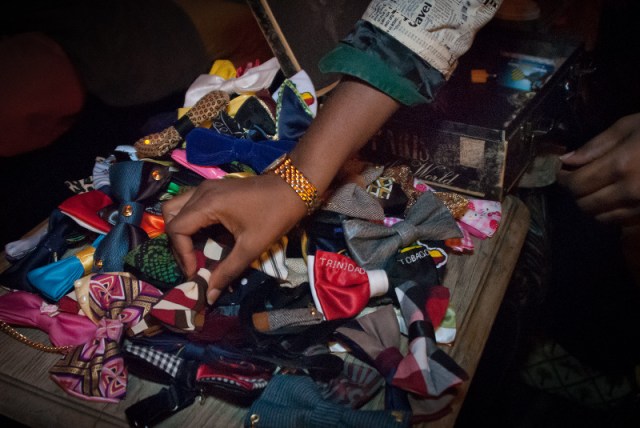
[{"x": 6, "y": 328}]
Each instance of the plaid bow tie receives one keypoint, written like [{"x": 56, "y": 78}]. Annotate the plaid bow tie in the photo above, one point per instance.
[
  {"x": 375, "y": 337},
  {"x": 426, "y": 370},
  {"x": 371, "y": 244}
]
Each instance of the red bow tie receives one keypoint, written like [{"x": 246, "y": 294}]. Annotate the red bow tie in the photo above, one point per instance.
[{"x": 341, "y": 288}]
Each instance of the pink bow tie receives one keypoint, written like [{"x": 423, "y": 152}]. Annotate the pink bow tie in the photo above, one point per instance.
[
  {"x": 108, "y": 330},
  {"x": 96, "y": 370}
]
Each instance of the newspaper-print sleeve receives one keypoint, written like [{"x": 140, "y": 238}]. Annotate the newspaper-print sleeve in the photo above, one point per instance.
[{"x": 409, "y": 48}]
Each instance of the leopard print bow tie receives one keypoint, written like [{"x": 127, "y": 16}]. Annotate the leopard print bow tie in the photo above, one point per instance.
[{"x": 159, "y": 143}]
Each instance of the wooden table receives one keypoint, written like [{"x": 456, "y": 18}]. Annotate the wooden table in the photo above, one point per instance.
[{"x": 477, "y": 283}]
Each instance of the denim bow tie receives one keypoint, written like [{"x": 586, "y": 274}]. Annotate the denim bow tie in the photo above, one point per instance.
[
  {"x": 295, "y": 401},
  {"x": 210, "y": 148},
  {"x": 133, "y": 184},
  {"x": 371, "y": 244}
]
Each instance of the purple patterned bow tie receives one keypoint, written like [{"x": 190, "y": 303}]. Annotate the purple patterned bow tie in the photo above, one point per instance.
[{"x": 96, "y": 369}]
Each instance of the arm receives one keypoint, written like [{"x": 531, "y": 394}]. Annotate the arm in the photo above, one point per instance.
[
  {"x": 604, "y": 174},
  {"x": 387, "y": 70}
]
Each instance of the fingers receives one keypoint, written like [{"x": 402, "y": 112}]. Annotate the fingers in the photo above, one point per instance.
[
  {"x": 625, "y": 216},
  {"x": 589, "y": 178},
  {"x": 610, "y": 204},
  {"x": 172, "y": 207},
  {"x": 180, "y": 225},
  {"x": 255, "y": 210},
  {"x": 596, "y": 147},
  {"x": 230, "y": 268},
  {"x": 612, "y": 179}
]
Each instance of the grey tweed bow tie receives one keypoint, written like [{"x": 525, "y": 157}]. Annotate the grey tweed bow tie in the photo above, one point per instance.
[{"x": 371, "y": 244}]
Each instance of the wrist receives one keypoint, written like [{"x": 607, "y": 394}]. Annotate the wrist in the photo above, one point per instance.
[{"x": 284, "y": 168}]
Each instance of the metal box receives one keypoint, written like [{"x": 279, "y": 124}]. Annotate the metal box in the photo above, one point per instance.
[{"x": 479, "y": 138}]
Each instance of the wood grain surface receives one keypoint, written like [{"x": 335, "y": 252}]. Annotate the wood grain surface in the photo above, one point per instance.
[{"x": 477, "y": 283}]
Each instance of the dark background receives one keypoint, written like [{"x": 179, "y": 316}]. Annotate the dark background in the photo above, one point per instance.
[{"x": 32, "y": 186}]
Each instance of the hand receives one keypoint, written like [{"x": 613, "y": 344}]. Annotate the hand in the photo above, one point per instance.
[
  {"x": 259, "y": 210},
  {"x": 256, "y": 210},
  {"x": 604, "y": 174}
]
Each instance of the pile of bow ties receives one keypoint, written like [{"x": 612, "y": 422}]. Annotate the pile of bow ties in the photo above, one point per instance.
[{"x": 320, "y": 315}]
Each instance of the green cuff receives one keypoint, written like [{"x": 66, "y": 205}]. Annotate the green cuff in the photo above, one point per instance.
[{"x": 348, "y": 60}]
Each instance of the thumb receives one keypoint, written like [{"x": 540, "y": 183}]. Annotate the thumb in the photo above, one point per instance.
[{"x": 593, "y": 149}]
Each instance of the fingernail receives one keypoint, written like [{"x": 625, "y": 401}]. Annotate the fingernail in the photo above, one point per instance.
[
  {"x": 566, "y": 155},
  {"x": 212, "y": 295}
]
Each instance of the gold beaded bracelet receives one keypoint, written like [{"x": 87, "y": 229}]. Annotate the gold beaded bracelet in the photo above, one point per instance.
[
  {"x": 9, "y": 330},
  {"x": 284, "y": 168}
]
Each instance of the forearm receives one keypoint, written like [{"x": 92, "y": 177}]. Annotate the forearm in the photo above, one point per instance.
[
  {"x": 353, "y": 113},
  {"x": 408, "y": 49}
]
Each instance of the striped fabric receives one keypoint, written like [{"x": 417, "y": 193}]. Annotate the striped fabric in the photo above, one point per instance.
[{"x": 273, "y": 260}]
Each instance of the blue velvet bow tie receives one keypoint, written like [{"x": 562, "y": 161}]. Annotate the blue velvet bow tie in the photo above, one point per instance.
[
  {"x": 206, "y": 147},
  {"x": 133, "y": 184}
]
